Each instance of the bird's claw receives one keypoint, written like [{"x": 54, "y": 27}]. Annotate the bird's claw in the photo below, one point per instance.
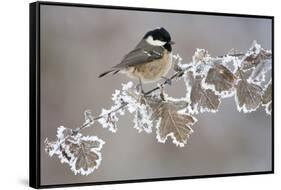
[{"x": 139, "y": 88}]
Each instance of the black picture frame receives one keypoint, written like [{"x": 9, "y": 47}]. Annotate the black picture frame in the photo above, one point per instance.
[{"x": 34, "y": 98}]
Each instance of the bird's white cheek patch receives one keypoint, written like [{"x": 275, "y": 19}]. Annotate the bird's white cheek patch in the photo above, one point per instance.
[{"x": 154, "y": 42}]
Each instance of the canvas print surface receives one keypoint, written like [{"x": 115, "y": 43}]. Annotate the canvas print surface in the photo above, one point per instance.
[{"x": 198, "y": 106}]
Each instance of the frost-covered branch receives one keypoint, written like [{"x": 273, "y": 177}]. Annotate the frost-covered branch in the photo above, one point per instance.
[
  {"x": 208, "y": 81},
  {"x": 167, "y": 81}
]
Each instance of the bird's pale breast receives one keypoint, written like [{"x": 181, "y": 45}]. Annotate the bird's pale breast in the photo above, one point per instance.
[{"x": 151, "y": 71}]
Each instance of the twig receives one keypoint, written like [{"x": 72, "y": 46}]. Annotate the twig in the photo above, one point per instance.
[
  {"x": 233, "y": 55},
  {"x": 91, "y": 122},
  {"x": 165, "y": 82}
]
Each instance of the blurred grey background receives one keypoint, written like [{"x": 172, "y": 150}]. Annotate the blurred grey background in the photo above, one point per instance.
[{"x": 77, "y": 44}]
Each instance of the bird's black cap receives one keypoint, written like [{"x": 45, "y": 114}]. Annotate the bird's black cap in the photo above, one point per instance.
[{"x": 161, "y": 34}]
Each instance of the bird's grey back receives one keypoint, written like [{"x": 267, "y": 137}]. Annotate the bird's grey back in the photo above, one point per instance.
[{"x": 143, "y": 53}]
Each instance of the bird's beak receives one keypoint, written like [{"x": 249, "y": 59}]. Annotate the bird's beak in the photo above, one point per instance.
[{"x": 171, "y": 42}]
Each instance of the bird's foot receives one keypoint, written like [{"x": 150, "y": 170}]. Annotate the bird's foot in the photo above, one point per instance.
[{"x": 139, "y": 88}]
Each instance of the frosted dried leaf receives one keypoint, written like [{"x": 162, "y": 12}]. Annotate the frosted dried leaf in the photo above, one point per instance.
[
  {"x": 256, "y": 55},
  {"x": 232, "y": 63},
  {"x": 142, "y": 112},
  {"x": 246, "y": 74},
  {"x": 267, "y": 98},
  {"x": 178, "y": 65},
  {"x": 50, "y": 147},
  {"x": 154, "y": 100},
  {"x": 268, "y": 108},
  {"x": 55, "y": 147},
  {"x": 130, "y": 99},
  {"x": 108, "y": 120},
  {"x": 81, "y": 153},
  {"x": 85, "y": 153},
  {"x": 221, "y": 78},
  {"x": 135, "y": 104},
  {"x": 142, "y": 120},
  {"x": 89, "y": 119},
  {"x": 258, "y": 74},
  {"x": 200, "y": 55},
  {"x": 109, "y": 117},
  {"x": 201, "y": 62},
  {"x": 267, "y": 95},
  {"x": 248, "y": 95},
  {"x": 200, "y": 99},
  {"x": 63, "y": 132},
  {"x": 172, "y": 123},
  {"x": 235, "y": 52},
  {"x": 179, "y": 104},
  {"x": 88, "y": 116}
]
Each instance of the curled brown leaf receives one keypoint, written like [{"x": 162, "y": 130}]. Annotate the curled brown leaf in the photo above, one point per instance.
[
  {"x": 201, "y": 99},
  {"x": 248, "y": 95},
  {"x": 172, "y": 123},
  {"x": 221, "y": 77}
]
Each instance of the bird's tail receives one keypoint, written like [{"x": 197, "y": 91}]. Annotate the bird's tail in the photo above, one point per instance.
[{"x": 107, "y": 72}]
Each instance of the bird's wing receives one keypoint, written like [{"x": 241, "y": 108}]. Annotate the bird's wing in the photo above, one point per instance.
[{"x": 140, "y": 56}]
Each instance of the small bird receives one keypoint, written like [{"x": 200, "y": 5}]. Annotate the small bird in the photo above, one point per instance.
[{"x": 150, "y": 60}]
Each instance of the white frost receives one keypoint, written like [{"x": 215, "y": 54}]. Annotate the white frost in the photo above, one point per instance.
[
  {"x": 128, "y": 95},
  {"x": 142, "y": 120}
]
